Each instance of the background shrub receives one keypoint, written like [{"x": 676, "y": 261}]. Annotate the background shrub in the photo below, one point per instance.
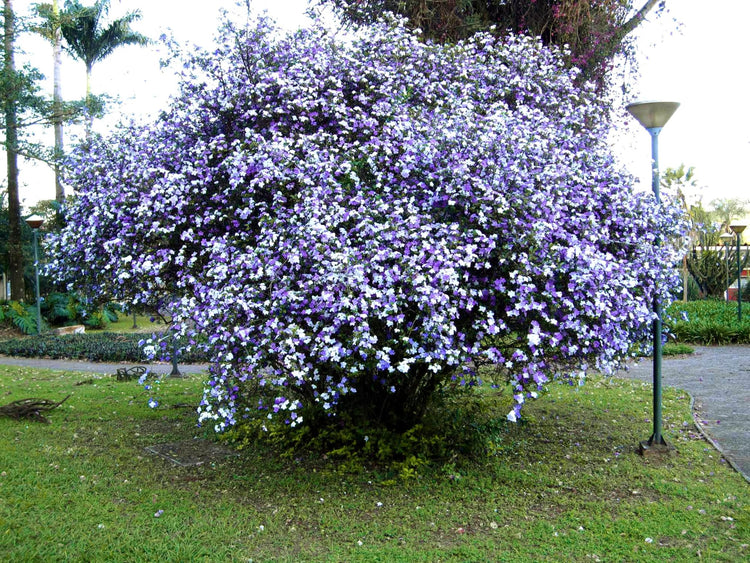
[
  {"x": 96, "y": 347},
  {"x": 708, "y": 322},
  {"x": 59, "y": 309},
  {"x": 21, "y": 316}
]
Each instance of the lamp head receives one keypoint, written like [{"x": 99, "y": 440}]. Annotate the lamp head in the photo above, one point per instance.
[
  {"x": 34, "y": 221},
  {"x": 737, "y": 229},
  {"x": 725, "y": 237},
  {"x": 652, "y": 115}
]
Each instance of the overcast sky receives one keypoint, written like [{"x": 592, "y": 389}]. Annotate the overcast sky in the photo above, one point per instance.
[{"x": 705, "y": 66}]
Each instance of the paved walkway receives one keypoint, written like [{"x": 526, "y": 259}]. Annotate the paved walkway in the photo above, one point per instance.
[
  {"x": 75, "y": 365},
  {"x": 718, "y": 378}
]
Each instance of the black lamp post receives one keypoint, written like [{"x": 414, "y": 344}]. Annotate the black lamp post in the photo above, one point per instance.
[
  {"x": 653, "y": 116},
  {"x": 35, "y": 221},
  {"x": 737, "y": 230},
  {"x": 726, "y": 238},
  {"x": 175, "y": 369}
]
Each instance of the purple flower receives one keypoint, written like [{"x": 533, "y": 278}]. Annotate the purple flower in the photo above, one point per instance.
[{"x": 328, "y": 218}]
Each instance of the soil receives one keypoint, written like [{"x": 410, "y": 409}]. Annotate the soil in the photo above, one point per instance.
[
  {"x": 10, "y": 332},
  {"x": 195, "y": 451}
]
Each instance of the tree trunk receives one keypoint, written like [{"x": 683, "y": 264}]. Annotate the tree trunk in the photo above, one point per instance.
[
  {"x": 637, "y": 19},
  {"x": 89, "y": 112},
  {"x": 15, "y": 252},
  {"x": 618, "y": 37},
  {"x": 685, "y": 275},
  {"x": 57, "y": 101}
]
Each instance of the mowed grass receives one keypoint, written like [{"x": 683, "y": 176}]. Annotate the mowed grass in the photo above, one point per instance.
[
  {"x": 567, "y": 485},
  {"x": 124, "y": 323}
]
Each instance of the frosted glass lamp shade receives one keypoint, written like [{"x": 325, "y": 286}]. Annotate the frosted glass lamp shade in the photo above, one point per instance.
[
  {"x": 652, "y": 114},
  {"x": 34, "y": 221}
]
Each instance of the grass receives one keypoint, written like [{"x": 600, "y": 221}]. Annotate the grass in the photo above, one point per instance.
[
  {"x": 566, "y": 485},
  {"x": 707, "y": 322},
  {"x": 124, "y": 323},
  {"x": 705, "y": 310},
  {"x": 677, "y": 349}
]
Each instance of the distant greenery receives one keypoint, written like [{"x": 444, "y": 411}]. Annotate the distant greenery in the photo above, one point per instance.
[
  {"x": 708, "y": 322},
  {"x": 94, "y": 347},
  {"x": 676, "y": 349},
  {"x": 58, "y": 309},
  {"x": 19, "y": 315}
]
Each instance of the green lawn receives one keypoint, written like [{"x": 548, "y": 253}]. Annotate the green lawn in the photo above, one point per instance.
[
  {"x": 124, "y": 323},
  {"x": 565, "y": 486}
]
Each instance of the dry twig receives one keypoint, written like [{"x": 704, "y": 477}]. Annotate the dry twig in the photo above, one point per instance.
[{"x": 30, "y": 408}]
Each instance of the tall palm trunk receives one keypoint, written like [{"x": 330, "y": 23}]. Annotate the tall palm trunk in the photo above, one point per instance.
[
  {"x": 685, "y": 275},
  {"x": 89, "y": 104},
  {"x": 15, "y": 253},
  {"x": 57, "y": 99}
]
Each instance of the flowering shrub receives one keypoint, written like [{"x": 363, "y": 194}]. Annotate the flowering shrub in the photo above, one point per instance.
[{"x": 352, "y": 224}]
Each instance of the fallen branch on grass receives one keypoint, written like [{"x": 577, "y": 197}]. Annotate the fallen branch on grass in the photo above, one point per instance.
[{"x": 30, "y": 408}]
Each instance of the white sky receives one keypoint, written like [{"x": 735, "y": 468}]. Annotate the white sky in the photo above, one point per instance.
[{"x": 705, "y": 66}]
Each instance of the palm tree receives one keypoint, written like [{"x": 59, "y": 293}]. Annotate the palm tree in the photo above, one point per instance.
[
  {"x": 50, "y": 29},
  {"x": 89, "y": 41}
]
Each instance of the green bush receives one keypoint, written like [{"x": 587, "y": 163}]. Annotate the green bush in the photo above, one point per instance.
[
  {"x": 709, "y": 322},
  {"x": 58, "y": 309},
  {"x": 22, "y": 316},
  {"x": 676, "y": 349},
  {"x": 61, "y": 309},
  {"x": 96, "y": 347}
]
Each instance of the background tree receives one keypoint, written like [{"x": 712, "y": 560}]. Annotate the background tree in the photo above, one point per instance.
[
  {"x": 90, "y": 39},
  {"x": 729, "y": 210},
  {"x": 23, "y": 107},
  {"x": 705, "y": 261},
  {"x": 11, "y": 86},
  {"x": 4, "y": 233},
  {"x": 681, "y": 184},
  {"x": 596, "y": 31}
]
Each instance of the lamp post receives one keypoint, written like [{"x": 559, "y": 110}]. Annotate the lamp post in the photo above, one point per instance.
[
  {"x": 175, "y": 349},
  {"x": 175, "y": 369},
  {"x": 35, "y": 221},
  {"x": 653, "y": 116},
  {"x": 737, "y": 230},
  {"x": 726, "y": 239}
]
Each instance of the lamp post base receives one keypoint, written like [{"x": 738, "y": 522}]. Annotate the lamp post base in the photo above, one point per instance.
[
  {"x": 175, "y": 371},
  {"x": 649, "y": 448}
]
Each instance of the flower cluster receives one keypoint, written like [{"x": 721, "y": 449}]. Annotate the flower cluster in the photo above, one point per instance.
[{"x": 351, "y": 224}]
